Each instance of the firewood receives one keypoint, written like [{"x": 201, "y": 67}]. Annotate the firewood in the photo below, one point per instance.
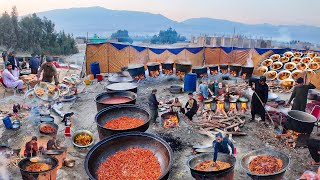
[
  {"x": 205, "y": 132},
  {"x": 234, "y": 125},
  {"x": 233, "y": 133}
]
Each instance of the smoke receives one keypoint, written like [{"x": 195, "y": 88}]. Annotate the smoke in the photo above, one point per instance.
[
  {"x": 284, "y": 35},
  {"x": 4, "y": 173},
  {"x": 249, "y": 60}
]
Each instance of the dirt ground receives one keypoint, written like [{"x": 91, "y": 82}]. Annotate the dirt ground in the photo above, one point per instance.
[{"x": 184, "y": 137}]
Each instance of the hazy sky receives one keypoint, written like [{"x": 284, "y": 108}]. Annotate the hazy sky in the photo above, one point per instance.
[{"x": 248, "y": 11}]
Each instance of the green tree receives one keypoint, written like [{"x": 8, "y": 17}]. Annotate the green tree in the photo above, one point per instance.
[
  {"x": 122, "y": 36},
  {"x": 15, "y": 28},
  {"x": 168, "y": 36}
]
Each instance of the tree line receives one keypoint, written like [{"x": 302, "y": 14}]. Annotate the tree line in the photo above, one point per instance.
[
  {"x": 34, "y": 34},
  {"x": 169, "y": 36}
]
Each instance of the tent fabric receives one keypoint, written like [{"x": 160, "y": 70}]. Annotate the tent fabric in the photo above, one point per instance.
[
  {"x": 157, "y": 51},
  {"x": 175, "y": 51},
  {"x": 139, "y": 48},
  {"x": 112, "y": 56},
  {"x": 195, "y": 50},
  {"x": 119, "y": 46}
]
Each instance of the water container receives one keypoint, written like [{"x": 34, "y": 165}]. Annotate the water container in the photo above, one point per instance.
[
  {"x": 190, "y": 82},
  {"x": 7, "y": 122},
  {"x": 95, "y": 68}
]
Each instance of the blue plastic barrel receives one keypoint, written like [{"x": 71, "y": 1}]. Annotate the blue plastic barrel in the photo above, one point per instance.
[
  {"x": 95, "y": 68},
  {"x": 7, "y": 122},
  {"x": 190, "y": 82}
]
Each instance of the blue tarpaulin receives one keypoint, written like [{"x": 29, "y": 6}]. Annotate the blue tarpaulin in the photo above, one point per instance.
[
  {"x": 194, "y": 50},
  {"x": 176, "y": 50},
  {"x": 157, "y": 51},
  {"x": 139, "y": 48},
  {"x": 119, "y": 46}
]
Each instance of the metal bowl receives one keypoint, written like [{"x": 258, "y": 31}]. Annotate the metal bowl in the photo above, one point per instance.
[
  {"x": 302, "y": 66},
  {"x": 275, "y": 57},
  {"x": 296, "y": 74},
  {"x": 246, "y": 159},
  {"x": 109, "y": 146},
  {"x": 262, "y": 70},
  {"x": 288, "y": 54},
  {"x": 314, "y": 66},
  {"x": 312, "y": 55},
  {"x": 51, "y": 124},
  {"x": 284, "y": 59},
  {"x": 297, "y": 54},
  {"x": 290, "y": 66},
  {"x": 69, "y": 163},
  {"x": 82, "y": 132},
  {"x": 316, "y": 59},
  {"x": 267, "y": 62},
  {"x": 306, "y": 60},
  {"x": 296, "y": 60},
  {"x": 112, "y": 112},
  {"x": 283, "y": 75},
  {"x": 276, "y": 65},
  {"x": 271, "y": 75},
  {"x": 287, "y": 84}
]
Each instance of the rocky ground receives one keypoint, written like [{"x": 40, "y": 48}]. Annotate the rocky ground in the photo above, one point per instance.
[{"x": 182, "y": 139}]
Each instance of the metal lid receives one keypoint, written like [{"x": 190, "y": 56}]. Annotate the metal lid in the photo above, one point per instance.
[{"x": 121, "y": 86}]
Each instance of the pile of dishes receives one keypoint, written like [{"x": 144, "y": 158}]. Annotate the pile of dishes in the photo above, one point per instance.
[{"x": 288, "y": 67}]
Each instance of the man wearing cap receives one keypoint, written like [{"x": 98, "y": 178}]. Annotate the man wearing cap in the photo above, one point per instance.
[
  {"x": 49, "y": 72},
  {"x": 259, "y": 98},
  {"x": 190, "y": 107},
  {"x": 299, "y": 94},
  {"x": 221, "y": 145},
  {"x": 32, "y": 147},
  {"x": 34, "y": 64},
  {"x": 15, "y": 64}
]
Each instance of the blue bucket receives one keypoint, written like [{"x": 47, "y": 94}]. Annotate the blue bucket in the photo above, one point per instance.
[
  {"x": 95, "y": 68},
  {"x": 7, "y": 122},
  {"x": 190, "y": 82}
]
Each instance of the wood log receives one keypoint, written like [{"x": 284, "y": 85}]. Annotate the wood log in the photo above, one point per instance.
[
  {"x": 233, "y": 133},
  {"x": 234, "y": 125}
]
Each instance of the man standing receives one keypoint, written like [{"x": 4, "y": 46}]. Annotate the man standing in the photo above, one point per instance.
[
  {"x": 32, "y": 147},
  {"x": 52, "y": 144},
  {"x": 11, "y": 81},
  {"x": 15, "y": 64},
  {"x": 191, "y": 107},
  {"x": 299, "y": 94},
  {"x": 221, "y": 144},
  {"x": 34, "y": 64},
  {"x": 203, "y": 88},
  {"x": 153, "y": 104},
  {"x": 259, "y": 98},
  {"x": 49, "y": 72}
]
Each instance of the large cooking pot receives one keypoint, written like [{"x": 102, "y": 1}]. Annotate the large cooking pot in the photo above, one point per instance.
[
  {"x": 136, "y": 70},
  {"x": 119, "y": 79},
  {"x": 225, "y": 174},
  {"x": 183, "y": 67},
  {"x": 246, "y": 159},
  {"x": 106, "y": 95},
  {"x": 50, "y": 174},
  {"x": 133, "y": 87},
  {"x": 299, "y": 121},
  {"x": 109, "y": 146},
  {"x": 51, "y": 124},
  {"x": 60, "y": 155},
  {"x": 121, "y": 110}
]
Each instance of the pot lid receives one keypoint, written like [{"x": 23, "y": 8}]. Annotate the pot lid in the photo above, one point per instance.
[{"x": 121, "y": 86}]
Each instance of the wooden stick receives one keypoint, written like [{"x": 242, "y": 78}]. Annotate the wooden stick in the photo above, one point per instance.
[{"x": 234, "y": 125}]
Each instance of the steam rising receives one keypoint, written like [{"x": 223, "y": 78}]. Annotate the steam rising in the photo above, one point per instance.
[{"x": 249, "y": 60}]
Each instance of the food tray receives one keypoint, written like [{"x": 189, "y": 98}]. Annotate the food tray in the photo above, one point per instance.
[
  {"x": 64, "y": 89},
  {"x": 46, "y": 96}
]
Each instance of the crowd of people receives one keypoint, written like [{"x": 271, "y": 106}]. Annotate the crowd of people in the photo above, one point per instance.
[{"x": 10, "y": 76}]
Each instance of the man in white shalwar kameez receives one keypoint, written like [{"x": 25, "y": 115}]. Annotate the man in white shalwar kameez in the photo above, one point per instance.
[{"x": 11, "y": 81}]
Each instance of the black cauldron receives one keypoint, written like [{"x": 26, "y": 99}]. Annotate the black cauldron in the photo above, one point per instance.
[
  {"x": 225, "y": 174},
  {"x": 133, "y": 87},
  {"x": 105, "y": 95},
  {"x": 235, "y": 70},
  {"x": 200, "y": 71},
  {"x": 50, "y": 174},
  {"x": 247, "y": 71},
  {"x": 224, "y": 68},
  {"x": 214, "y": 69},
  {"x": 299, "y": 121},
  {"x": 117, "y": 111},
  {"x": 183, "y": 67},
  {"x": 166, "y": 68},
  {"x": 109, "y": 146},
  {"x": 153, "y": 66},
  {"x": 136, "y": 70}
]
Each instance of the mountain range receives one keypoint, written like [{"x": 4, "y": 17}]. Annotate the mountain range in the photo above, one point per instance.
[{"x": 102, "y": 21}]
